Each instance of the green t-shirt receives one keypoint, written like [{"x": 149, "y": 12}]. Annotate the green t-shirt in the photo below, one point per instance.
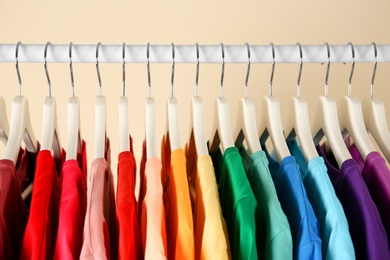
[
  {"x": 274, "y": 239},
  {"x": 238, "y": 203}
]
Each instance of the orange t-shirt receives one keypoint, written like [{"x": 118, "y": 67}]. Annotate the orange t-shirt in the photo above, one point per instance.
[
  {"x": 153, "y": 231},
  {"x": 180, "y": 227}
]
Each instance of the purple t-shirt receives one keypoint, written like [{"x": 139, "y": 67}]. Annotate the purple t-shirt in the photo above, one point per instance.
[
  {"x": 377, "y": 177},
  {"x": 366, "y": 228}
]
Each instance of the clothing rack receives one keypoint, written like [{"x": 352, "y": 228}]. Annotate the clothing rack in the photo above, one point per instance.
[{"x": 86, "y": 53}]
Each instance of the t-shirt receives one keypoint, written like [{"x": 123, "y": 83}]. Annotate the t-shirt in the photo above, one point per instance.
[
  {"x": 211, "y": 238},
  {"x": 376, "y": 175},
  {"x": 73, "y": 206},
  {"x": 100, "y": 227},
  {"x": 238, "y": 203},
  {"x": 292, "y": 195},
  {"x": 13, "y": 210},
  {"x": 130, "y": 244},
  {"x": 336, "y": 240},
  {"x": 274, "y": 239},
  {"x": 365, "y": 225},
  {"x": 41, "y": 230},
  {"x": 153, "y": 227},
  {"x": 177, "y": 204}
]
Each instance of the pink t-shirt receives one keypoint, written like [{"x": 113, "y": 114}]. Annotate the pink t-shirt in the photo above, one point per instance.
[
  {"x": 100, "y": 228},
  {"x": 153, "y": 227}
]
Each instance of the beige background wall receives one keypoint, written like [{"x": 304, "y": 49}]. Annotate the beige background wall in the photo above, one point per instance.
[{"x": 186, "y": 22}]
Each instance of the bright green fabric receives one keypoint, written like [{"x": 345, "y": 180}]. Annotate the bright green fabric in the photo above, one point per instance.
[
  {"x": 274, "y": 239},
  {"x": 238, "y": 203}
]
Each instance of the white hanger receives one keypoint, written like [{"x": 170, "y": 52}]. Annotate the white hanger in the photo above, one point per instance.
[
  {"x": 50, "y": 136},
  {"x": 150, "y": 117},
  {"x": 246, "y": 127},
  {"x": 197, "y": 119},
  {"x": 124, "y": 138},
  {"x": 100, "y": 116},
  {"x": 172, "y": 130},
  {"x": 4, "y": 125},
  {"x": 375, "y": 117},
  {"x": 326, "y": 123},
  {"x": 20, "y": 128},
  {"x": 74, "y": 134},
  {"x": 222, "y": 132},
  {"x": 298, "y": 124},
  {"x": 351, "y": 117},
  {"x": 270, "y": 123}
]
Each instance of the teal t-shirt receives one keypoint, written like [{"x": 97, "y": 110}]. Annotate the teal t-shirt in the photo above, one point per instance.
[
  {"x": 238, "y": 203},
  {"x": 274, "y": 239},
  {"x": 335, "y": 236}
]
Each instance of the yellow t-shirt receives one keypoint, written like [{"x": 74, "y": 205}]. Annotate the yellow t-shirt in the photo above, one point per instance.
[{"x": 211, "y": 239}]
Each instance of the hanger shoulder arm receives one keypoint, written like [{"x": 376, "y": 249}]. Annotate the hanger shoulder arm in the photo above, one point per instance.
[
  {"x": 298, "y": 125},
  {"x": 198, "y": 126},
  {"x": 173, "y": 124},
  {"x": 20, "y": 129},
  {"x": 150, "y": 128},
  {"x": 327, "y": 123},
  {"x": 74, "y": 136},
  {"x": 376, "y": 123},
  {"x": 351, "y": 119},
  {"x": 124, "y": 138},
  {"x": 100, "y": 127}
]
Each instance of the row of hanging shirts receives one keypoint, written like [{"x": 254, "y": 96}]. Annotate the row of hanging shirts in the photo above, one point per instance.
[{"x": 328, "y": 122}]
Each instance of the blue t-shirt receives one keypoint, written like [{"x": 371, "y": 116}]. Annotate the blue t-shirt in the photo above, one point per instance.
[
  {"x": 295, "y": 204},
  {"x": 336, "y": 239}
]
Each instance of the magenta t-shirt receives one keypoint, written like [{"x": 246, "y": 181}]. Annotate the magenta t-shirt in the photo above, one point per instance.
[{"x": 368, "y": 234}]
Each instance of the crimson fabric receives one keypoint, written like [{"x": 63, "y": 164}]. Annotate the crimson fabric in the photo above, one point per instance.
[
  {"x": 376, "y": 175},
  {"x": 130, "y": 245},
  {"x": 13, "y": 210},
  {"x": 365, "y": 225},
  {"x": 73, "y": 205},
  {"x": 41, "y": 231},
  {"x": 100, "y": 227},
  {"x": 142, "y": 184}
]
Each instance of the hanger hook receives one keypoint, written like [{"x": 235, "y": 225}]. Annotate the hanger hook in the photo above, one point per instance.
[
  {"x": 123, "y": 70},
  {"x": 300, "y": 69},
  {"x": 249, "y": 68},
  {"x": 352, "y": 69},
  {"x": 97, "y": 67},
  {"x": 223, "y": 70},
  {"x": 46, "y": 70},
  {"x": 273, "y": 70},
  {"x": 148, "y": 67},
  {"x": 197, "y": 69},
  {"x": 17, "y": 67},
  {"x": 71, "y": 67},
  {"x": 375, "y": 65},
  {"x": 327, "y": 68},
  {"x": 173, "y": 68}
]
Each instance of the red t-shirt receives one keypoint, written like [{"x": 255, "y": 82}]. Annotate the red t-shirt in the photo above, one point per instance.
[
  {"x": 73, "y": 205},
  {"x": 41, "y": 231},
  {"x": 13, "y": 210},
  {"x": 100, "y": 227},
  {"x": 130, "y": 245}
]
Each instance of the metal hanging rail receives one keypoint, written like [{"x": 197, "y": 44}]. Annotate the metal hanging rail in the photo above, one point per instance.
[{"x": 86, "y": 53}]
